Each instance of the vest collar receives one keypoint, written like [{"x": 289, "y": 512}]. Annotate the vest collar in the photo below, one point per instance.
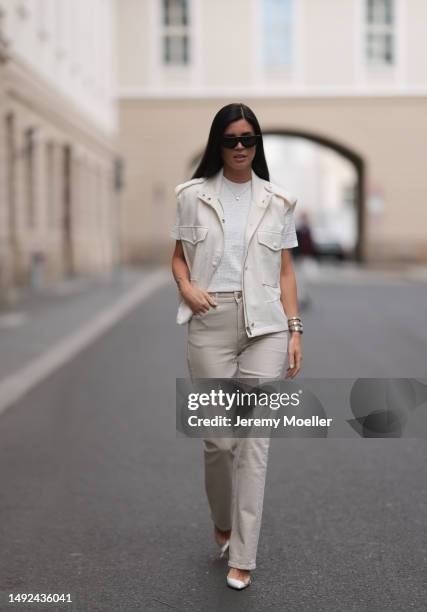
[
  {"x": 261, "y": 197},
  {"x": 212, "y": 188}
]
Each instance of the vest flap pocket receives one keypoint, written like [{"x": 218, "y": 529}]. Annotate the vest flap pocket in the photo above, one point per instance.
[
  {"x": 192, "y": 233},
  {"x": 270, "y": 239},
  {"x": 272, "y": 293}
]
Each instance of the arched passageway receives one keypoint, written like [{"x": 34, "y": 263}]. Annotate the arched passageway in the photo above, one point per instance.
[{"x": 328, "y": 179}]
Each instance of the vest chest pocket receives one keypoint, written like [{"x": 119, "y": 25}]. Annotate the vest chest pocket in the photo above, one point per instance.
[
  {"x": 270, "y": 252},
  {"x": 192, "y": 233},
  {"x": 192, "y": 237}
]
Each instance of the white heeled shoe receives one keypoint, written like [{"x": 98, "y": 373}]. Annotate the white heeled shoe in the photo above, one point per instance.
[{"x": 238, "y": 584}]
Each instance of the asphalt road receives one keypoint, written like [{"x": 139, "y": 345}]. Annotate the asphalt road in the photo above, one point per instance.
[{"x": 100, "y": 499}]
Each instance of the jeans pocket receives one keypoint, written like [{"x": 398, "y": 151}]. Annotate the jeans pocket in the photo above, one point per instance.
[{"x": 203, "y": 315}]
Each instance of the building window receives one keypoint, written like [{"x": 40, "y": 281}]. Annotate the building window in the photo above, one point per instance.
[
  {"x": 176, "y": 33},
  {"x": 277, "y": 17},
  {"x": 380, "y": 32}
]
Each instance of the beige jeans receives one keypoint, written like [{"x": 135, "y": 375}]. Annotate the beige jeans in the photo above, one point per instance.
[{"x": 235, "y": 468}]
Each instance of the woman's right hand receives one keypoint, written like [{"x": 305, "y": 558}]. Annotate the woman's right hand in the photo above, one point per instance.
[{"x": 199, "y": 301}]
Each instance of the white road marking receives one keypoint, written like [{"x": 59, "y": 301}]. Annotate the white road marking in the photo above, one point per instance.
[
  {"x": 13, "y": 319},
  {"x": 15, "y": 386}
]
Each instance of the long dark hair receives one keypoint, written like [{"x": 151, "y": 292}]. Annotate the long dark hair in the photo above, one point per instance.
[{"x": 212, "y": 161}]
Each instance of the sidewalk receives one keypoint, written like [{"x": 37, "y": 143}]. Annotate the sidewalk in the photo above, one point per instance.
[{"x": 49, "y": 327}]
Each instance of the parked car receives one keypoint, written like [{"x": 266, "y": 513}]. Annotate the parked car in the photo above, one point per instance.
[{"x": 329, "y": 249}]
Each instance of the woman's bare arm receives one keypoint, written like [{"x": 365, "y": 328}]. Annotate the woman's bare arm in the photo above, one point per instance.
[
  {"x": 289, "y": 299},
  {"x": 198, "y": 300},
  {"x": 180, "y": 269},
  {"x": 288, "y": 285}
]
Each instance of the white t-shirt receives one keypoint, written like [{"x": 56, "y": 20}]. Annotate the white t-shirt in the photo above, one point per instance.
[{"x": 228, "y": 275}]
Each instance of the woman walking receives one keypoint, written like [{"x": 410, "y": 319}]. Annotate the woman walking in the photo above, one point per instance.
[{"x": 238, "y": 297}]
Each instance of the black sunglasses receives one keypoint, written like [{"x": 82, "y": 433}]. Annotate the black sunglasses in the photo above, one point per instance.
[{"x": 229, "y": 142}]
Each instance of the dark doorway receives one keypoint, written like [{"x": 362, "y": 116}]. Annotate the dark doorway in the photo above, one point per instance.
[{"x": 67, "y": 229}]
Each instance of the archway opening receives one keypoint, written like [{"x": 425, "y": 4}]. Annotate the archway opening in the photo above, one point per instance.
[{"x": 328, "y": 180}]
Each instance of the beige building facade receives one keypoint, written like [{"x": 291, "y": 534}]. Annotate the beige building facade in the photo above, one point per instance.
[
  {"x": 58, "y": 142},
  {"x": 350, "y": 75}
]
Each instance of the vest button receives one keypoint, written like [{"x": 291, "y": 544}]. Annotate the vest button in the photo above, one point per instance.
[
  {"x": 252, "y": 324},
  {"x": 223, "y": 220}
]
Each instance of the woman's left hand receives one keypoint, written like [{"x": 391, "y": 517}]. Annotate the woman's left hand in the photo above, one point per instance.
[{"x": 294, "y": 355}]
